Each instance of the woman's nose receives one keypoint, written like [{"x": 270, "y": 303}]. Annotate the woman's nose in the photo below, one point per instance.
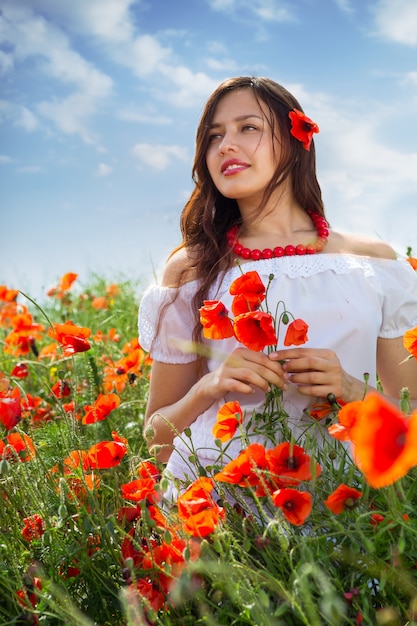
[{"x": 227, "y": 144}]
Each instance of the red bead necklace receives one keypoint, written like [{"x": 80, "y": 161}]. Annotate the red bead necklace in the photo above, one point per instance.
[{"x": 319, "y": 222}]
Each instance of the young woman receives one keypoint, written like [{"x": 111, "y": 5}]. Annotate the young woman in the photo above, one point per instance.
[{"x": 256, "y": 190}]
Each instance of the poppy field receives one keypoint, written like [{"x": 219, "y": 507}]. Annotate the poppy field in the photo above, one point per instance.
[{"x": 317, "y": 531}]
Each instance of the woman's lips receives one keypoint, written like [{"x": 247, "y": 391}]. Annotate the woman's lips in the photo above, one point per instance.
[{"x": 233, "y": 166}]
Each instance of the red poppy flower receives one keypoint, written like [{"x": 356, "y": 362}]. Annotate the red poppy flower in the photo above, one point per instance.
[
  {"x": 296, "y": 333},
  {"x": 75, "y": 459},
  {"x": 100, "y": 303},
  {"x": 376, "y": 519},
  {"x": 410, "y": 341},
  {"x": 50, "y": 352},
  {"x": 118, "y": 374},
  {"x": 384, "y": 441},
  {"x": 10, "y": 408},
  {"x": 8, "y": 295},
  {"x": 154, "y": 597},
  {"x": 64, "y": 285},
  {"x": 28, "y": 598},
  {"x": 4, "y": 385},
  {"x": 347, "y": 417},
  {"x": 302, "y": 127},
  {"x": 112, "y": 335},
  {"x": 249, "y": 292},
  {"x": 136, "y": 547},
  {"x": 17, "y": 445},
  {"x": 244, "y": 469},
  {"x": 169, "y": 559},
  {"x": 320, "y": 410},
  {"x": 61, "y": 389},
  {"x": 33, "y": 528},
  {"x": 102, "y": 407},
  {"x": 71, "y": 336},
  {"x": 215, "y": 321},
  {"x": 131, "y": 513},
  {"x": 342, "y": 498},
  {"x": 21, "y": 340},
  {"x": 107, "y": 454},
  {"x": 141, "y": 489},
  {"x": 289, "y": 465},
  {"x": 295, "y": 505},
  {"x": 229, "y": 417},
  {"x": 20, "y": 370},
  {"x": 146, "y": 469},
  {"x": 412, "y": 261},
  {"x": 255, "y": 330},
  {"x": 197, "y": 510}
]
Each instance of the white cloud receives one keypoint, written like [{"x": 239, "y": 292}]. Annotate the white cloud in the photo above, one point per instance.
[
  {"x": 271, "y": 11},
  {"x": 345, "y": 6},
  {"x": 103, "y": 170},
  {"x": 111, "y": 24},
  {"x": 5, "y": 159},
  {"x": 106, "y": 19},
  {"x": 27, "y": 119},
  {"x": 410, "y": 78},
  {"x": 33, "y": 37},
  {"x": 267, "y": 10},
  {"x": 133, "y": 114},
  {"x": 190, "y": 88},
  {"x": 143, "y": 55},
  {"x": 158, "y": 157},
  {"x": 224, "y": 65},
  {"x": 367, "y": 185},
  {"x": 6, "y": 62},
  {"x": 396, "y": 20}
]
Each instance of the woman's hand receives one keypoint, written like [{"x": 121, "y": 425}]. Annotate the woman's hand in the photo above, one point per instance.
[
  {"x": 243, "y": 370},
  {"x": 316, "y": 372}
]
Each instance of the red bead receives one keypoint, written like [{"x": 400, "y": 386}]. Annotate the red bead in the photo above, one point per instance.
[
  {"x": 311, "y": 249},
  {"x": 245, "y": 253},
  {"x": 278, "y": 251},
  {"x": 237, "y": 248},
  {"x": 320, "y": 244},
  {"x": 300, "y": 249},
  {"x": 323, "y": 232},
  {"x": 255, "y": 254},
  {"x": 289, "y": 250},
  {"x": 267, "y": 253}
]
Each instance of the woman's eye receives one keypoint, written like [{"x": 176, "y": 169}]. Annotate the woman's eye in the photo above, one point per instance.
[
  {"x": 214, "y": 137},
  {"x": 249, "y": 127}
]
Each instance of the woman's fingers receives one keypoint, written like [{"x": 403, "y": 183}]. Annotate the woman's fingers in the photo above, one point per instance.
[
  {"x": 245, "y": 369},
  {"x": 316, "y": 372}
]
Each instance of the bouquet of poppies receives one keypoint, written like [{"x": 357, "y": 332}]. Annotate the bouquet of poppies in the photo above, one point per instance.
[{"x": 252, "y": 325}]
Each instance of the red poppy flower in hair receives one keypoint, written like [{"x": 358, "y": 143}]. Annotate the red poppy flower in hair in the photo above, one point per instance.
[{"x": 302, "y": 128}]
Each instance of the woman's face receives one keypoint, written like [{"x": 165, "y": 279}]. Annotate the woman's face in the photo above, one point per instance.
[{"x": 242, "y": 154}]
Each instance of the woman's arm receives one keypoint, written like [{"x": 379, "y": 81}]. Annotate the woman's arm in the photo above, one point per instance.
[
  {"x": 396, "y": 370},
  {"x": 318, "y": 372}
]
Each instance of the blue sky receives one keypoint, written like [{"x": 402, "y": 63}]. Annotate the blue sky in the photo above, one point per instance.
[{"x": 100, "y": 100}]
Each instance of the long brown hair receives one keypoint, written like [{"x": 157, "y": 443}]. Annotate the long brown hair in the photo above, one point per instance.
[{"x": 208, "y": 214}]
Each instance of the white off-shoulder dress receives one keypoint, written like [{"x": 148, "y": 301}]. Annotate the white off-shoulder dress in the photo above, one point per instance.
[{"x": 348, "y": 302}]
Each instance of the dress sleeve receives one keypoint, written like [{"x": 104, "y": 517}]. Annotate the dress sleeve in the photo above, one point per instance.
[
  {"x": 399, "y": 285},
  {"x": 166, "y": 322}
]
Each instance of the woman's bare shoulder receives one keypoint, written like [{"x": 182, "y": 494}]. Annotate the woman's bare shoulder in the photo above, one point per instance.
[
  {"x": 348, "y": 243},
  {"x": 178, "y": 269}
]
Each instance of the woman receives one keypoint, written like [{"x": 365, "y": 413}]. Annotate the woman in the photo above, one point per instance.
[{"x": 256, "y": 190}]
